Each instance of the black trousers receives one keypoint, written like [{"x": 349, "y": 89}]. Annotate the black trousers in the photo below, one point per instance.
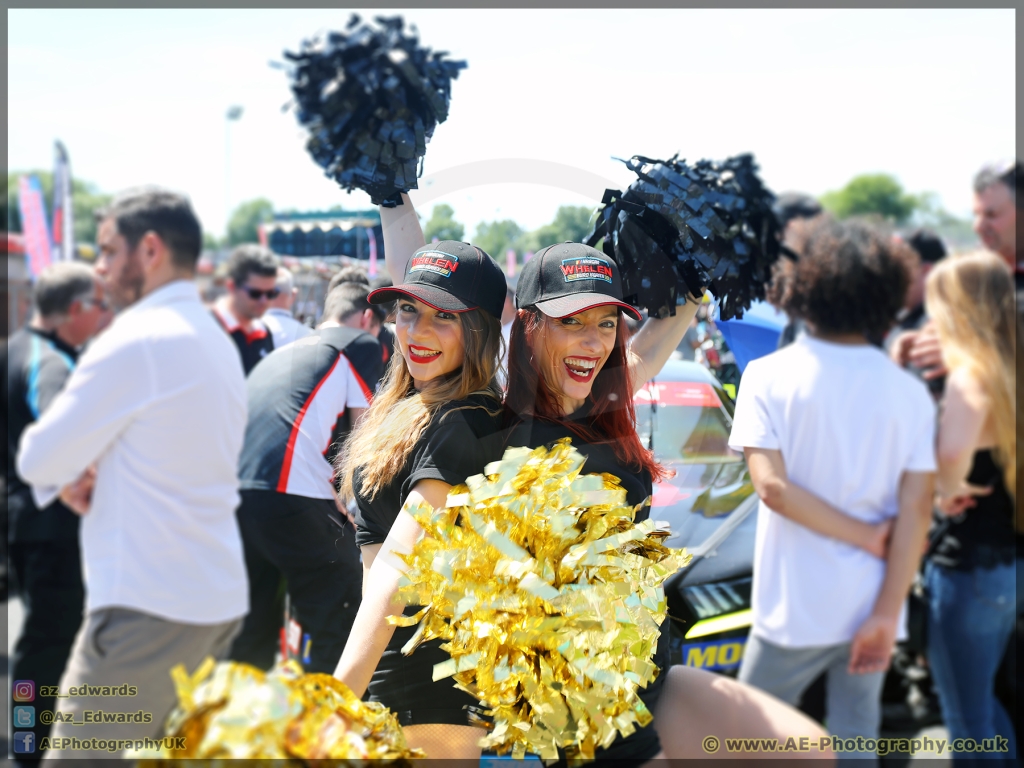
[
  {"x": 47, "y": 576},
  {"x": 258, "y": 641},
  {"x": 313, "y": 545}
]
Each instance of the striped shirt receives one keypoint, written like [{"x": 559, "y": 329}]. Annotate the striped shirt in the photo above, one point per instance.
[{"x": 299, "y": 399}]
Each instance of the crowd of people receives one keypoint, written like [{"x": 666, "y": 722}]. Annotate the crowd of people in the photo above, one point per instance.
[
  {"x": 857, "y": 473},
  {"x": 188, "y": 480}
]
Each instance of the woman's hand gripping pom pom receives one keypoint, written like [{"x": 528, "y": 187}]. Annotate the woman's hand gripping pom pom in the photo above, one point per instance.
[
  {"x": 549, "y": 597},
  {"x": 239, "y": 712},
  {"x": 679, "y": 229},
  {"x": 371, "y": 98}
]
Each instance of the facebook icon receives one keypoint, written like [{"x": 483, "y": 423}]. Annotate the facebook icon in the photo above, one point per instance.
[{"x": 24, "y": 742}]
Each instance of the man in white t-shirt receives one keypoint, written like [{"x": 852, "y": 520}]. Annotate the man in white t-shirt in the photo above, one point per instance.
[{"x": 840, "y": 445}]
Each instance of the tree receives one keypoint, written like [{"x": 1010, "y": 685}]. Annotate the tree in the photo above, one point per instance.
[
  {"x": 572, "y": 223},
  {"x": 210, "y": 241},
  {"x": 872, "y": 194},
  {"x": 243, "y": 226},
  {"x": 443, "y": 225},
  {"x": 85, "y": 200},
  {"x": 496, "y": 237},
  {"x": 957, "y": 233}
]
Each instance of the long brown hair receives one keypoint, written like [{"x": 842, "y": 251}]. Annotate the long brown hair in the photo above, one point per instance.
[
  {"x": 382, "y": 442},
  {"x": 971, "y": 300},
  {"x": 613, "y": 415}
]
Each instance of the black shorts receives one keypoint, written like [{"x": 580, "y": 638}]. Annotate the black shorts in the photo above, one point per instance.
[
  {"x": 643, "y": 744},
  {"x": 404, "y": 684},
  {"x": 633, "y": 750}
]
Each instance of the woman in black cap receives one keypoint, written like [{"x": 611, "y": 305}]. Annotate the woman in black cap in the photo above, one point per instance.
[
  {"x": 573, "y": 372},
  {"x": 424, "y": 432}
]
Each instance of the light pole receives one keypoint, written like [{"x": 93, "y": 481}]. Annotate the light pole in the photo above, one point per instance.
[{"x": 233, "y": 114}]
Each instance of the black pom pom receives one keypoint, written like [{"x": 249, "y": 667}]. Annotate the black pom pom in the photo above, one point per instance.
[
  {"x": 371, "y": 98},
  {"x": 679, "y": 229}
]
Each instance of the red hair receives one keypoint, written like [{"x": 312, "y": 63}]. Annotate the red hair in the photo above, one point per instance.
[{"x": 613, "y": 418}]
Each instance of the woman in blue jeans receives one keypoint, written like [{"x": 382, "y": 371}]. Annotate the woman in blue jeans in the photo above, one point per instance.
[{"x": 973, "y": 599}]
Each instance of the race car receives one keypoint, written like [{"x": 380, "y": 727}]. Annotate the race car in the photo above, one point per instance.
[{"x": 709, "y": 506}]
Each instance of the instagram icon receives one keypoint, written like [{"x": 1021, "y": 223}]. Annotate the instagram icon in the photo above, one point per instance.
[{"x": 24, "y": 690}]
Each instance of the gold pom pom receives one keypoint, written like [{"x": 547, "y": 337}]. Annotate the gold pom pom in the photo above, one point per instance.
[
  {"x": 240, "y": 712},
  {"x": 550, "y": 599}
]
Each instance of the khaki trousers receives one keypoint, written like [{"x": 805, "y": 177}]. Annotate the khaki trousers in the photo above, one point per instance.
[{"x": 124, "y": 658}]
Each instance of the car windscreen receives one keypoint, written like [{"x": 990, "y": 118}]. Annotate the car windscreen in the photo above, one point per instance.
[{"x": 684, "y": 422}]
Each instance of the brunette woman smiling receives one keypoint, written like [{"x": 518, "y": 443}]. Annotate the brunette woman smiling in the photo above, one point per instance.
[{"x": 425, "y": 431}]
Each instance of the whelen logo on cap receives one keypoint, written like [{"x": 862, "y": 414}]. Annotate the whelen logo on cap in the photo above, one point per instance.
[
  {"x": 434, "y": 261},
  {"x": 586, "y": 268}
]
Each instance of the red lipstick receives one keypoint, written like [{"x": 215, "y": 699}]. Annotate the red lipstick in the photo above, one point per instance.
[
  {"x": 575, "y": 375},
  {"x": 422, "y": 359}
]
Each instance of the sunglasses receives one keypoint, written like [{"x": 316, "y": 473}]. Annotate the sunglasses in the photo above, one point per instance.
[
  {"x": 256, "y": 294},
  {"x": 100, "y": 304}
]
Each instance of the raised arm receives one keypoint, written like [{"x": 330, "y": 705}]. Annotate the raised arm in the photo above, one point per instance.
[
  {"x": 768, "y": 473},
  {"x": 655, "y": 342},
  {"x": 371, "y": 631},
  {"x": 874, "y": 640},
  {"x": 403, "y": 236}
]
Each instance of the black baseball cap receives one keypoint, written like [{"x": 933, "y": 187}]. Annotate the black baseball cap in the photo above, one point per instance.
[
  {"x": 450, "y": 276},
  {"x": 567, "y": 278}
]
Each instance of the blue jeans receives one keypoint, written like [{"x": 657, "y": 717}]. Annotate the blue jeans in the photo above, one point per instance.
[{"x": 970, "y": 621}]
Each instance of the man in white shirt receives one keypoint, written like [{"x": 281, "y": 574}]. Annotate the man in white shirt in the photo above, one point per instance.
[
  {"x": 840, "y": 446},
  {"x": 278, "y": 317},
  {"x": 151, "y": 425}
]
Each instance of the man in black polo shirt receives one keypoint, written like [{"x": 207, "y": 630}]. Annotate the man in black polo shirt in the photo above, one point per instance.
[
  {"x": 251, "y": 284},
  {"x": 45, "y": 565},
  {"x": 357, "y": 274},
  {"x": 303, "y": 400},
  {"x": 930, "y": 250}
]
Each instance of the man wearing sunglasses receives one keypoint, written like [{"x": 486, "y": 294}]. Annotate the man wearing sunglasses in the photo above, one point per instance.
[
  {"x": 251, "y": 284},
  {"x": 45, "y": 563}
]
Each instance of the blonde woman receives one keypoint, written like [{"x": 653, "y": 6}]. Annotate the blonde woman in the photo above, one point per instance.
[
  {"x": 426, "y": 431},
  {"x": 973, "y": 601}
]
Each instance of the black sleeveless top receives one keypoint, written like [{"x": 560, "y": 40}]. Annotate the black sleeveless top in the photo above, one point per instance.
[{"x": 984, "y": 535}]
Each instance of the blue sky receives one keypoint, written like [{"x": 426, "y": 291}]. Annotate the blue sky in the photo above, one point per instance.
[{"x": 139, "y": 96}]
